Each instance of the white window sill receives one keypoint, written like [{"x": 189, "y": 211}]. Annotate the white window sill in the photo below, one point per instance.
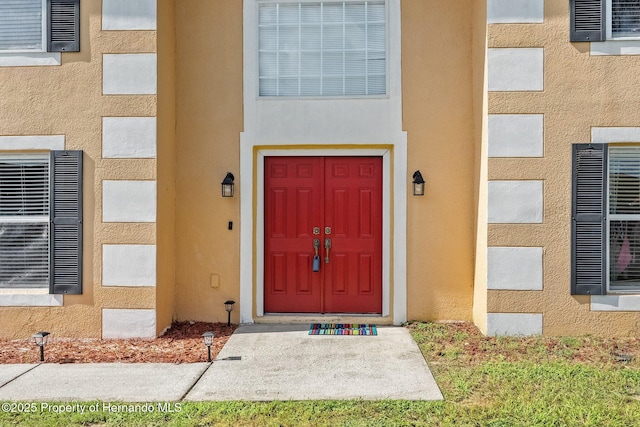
[
  {"x": 29, "y": 298},
  {"x": 616, "y": 47},
  {"x": 39, "y": 59},
  {"x": 615, "y": 303}
]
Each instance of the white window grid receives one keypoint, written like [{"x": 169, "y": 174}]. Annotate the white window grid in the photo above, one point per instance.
[
  {"x": 43, "y": 29},
  {"x": 616, "y": 152},
  {"x": 321, "y": 76},
  {"x": 609, "y": 19},
  {"x": 39, "y": 254}
]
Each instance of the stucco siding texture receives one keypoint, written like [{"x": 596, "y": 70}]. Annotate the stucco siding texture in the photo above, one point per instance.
[
  {"x": 68, "y": 100},
  {"x": 438, "y": 116},
  {"x": 581, "y": 91}
]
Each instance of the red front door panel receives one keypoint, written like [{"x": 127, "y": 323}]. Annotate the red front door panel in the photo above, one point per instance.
[{"x": 342, "y": 197}]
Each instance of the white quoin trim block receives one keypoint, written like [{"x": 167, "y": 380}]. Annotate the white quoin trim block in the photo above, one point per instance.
[
  {"x": 129, "y": 201},
  {"x": 516, "y": 202},
  {"x": 34, "y": 142},
  {"x": 516, "y": 269},
  {"x": 129, "y": 74},
  {"x": 128, "y": 323},
  {"x": 515, "y": 69},
  {"x": 515, "y": 11},
  {"x": 129, "y": 15},
  {"x": 129, "y": 137},
  {"x": 129, "y": 265},
  {"x": 516, "y": 135},
  {"x": 514, "y": 324}
]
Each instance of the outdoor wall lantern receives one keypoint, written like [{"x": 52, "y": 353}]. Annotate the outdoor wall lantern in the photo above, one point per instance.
[
  {"x": 208, "y": 341},
  {"x": 418, "y": 184},
  {"x": 228, "y": 305},
  {"x": 227, "y": 185},
  {"x": 40, "y": 339}
]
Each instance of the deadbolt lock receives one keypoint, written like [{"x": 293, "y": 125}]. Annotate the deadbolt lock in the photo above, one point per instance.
[
  {"x": 316, "y": 230},
  {"x": 327, "y": 230}
]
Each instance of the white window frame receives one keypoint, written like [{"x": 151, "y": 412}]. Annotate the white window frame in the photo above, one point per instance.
[
  {"x": 609, "y": 29},
  {"x": 258, "y": 3},
  {"x": 43, "y": 40},
  {"x": 616, "y": 217},
  {"x": 44, "y": 158}
]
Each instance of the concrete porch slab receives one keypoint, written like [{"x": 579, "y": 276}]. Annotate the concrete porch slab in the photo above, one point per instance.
[
  {"x": 282, "y": 362},
  {"x": 11, "y": 372}
]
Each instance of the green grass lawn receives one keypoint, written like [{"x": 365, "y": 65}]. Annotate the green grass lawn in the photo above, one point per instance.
[{"x": 533, "y": 381}]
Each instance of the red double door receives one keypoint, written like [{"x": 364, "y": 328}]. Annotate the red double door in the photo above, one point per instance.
[{"x": 333, "y": 204}]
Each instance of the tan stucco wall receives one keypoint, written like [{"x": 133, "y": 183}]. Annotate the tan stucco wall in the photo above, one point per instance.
[
  {"x": 480, "y": 106},
  {"x": 166, "y": 219},
  {"x": 438, "y": 116},
  {"x": 67, "y": 100},
  {"x": 208, "y": 125},
  {"x": 580, "y": 92}
]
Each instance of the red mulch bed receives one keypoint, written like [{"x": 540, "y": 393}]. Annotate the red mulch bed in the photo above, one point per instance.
[{"x": 182, "y": 343}]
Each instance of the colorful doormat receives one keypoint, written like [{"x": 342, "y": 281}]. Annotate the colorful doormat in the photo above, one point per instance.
[{"x": 342, "y": 329}]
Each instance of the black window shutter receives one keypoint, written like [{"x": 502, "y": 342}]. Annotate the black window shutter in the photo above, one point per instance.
[
  {"x": 64, "y": 25},
  {"x": 587, "y": 20},
  {"x": 588, "y": 214},
  {"x": 65, "y": 233}
]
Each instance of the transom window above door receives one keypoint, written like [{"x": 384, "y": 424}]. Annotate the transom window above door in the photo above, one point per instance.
[{"x": 330, "y": 48}]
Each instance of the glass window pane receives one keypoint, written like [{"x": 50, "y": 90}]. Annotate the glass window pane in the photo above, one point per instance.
[
  {"x": 332, "y": 86},
  {"x": 355, "y": 12},
  {"x": 310, "y": 13},
  {"x": 332, "y": 37},
  {"x": 624, "y": 180},
  {"x": 268, "y": 14},
  {"x": 268, "y": 87},
  {"x": 24, "y": 255},
  {"x": 355, "y": 36},
  {"x": 310, "y": 86},
  {"x": 21, "y": 25},
  {"x": 375, "y": 12},
  {"x": 268, "y": 38},
  {"x": 288, "y": 14},
  {"x": 288, "y": 64},
  {"x": 332, "y": 63},
  {"x": 310, "y": 64},
  {"x": 624, "y": 255},
  {"x": 332, "y": 12},
  {"x": 268, "y": 64},
  {"x": 321, "y": 44},
  {"x": 625, "y": 18},
  {"x": 288, "y": 87},
  {"x": 310, "y": 38}
]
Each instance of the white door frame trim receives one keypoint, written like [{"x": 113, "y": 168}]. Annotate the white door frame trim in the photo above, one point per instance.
[{"x": 252, "y": 223}]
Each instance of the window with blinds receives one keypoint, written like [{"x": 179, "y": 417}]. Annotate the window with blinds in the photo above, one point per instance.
[
  {"x": 22, "y": 25},
  {"x": 624, "y": 218},
  {"x": 625, "y": 18},
  {"x": 24, "y": 221},
  {"x": 331, "y": 48}
]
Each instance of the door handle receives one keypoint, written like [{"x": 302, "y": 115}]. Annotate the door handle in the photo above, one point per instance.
[
  {"x": 327, "y": 246},
  {"x": 316, "y": 257}
]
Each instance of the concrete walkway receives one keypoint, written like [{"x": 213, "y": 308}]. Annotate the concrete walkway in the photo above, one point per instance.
[{"x": 259, "y": 362}]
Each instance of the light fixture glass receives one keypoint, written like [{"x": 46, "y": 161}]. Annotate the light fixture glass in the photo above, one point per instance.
[
  {"x": 227, "y": 185},
  {"x": 418, "y": 184}
]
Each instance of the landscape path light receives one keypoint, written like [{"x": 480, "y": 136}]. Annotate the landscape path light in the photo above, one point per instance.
[
  {"x": 40, "y": 338},
  {"x": 228, "y": 305},
  {"x": 208, "y": 341}
]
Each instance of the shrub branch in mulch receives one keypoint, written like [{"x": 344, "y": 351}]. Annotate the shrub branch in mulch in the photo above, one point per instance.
[{"x": 182, "y": 343}]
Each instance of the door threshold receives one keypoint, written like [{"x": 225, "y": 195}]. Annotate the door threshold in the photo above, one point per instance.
[{"x": 295, "y": 318}]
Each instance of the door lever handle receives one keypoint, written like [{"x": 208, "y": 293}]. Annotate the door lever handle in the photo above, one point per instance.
[
  {"x": 316, "y": 257},
  {"x": 327, "y": 246}
]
